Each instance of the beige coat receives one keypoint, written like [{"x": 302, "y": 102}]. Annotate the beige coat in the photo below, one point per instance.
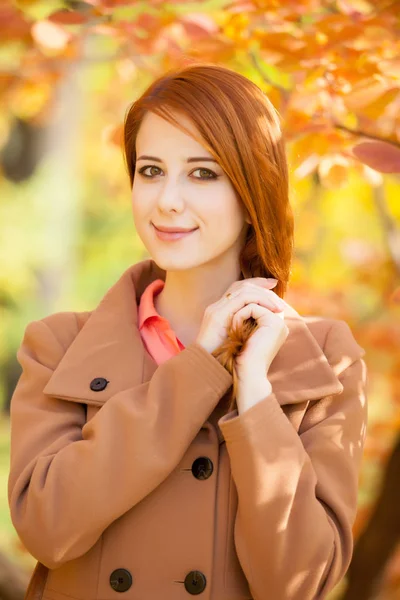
[{"x": 125, "y": 478}]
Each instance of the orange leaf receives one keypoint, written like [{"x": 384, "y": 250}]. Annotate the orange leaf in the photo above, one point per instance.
[
  {"x": 198, "y": 25},
  {"x": 365, "y": 93},
  {"x": 390, "y": 67},
  {"x": 333, "y": 171},
  {"x": 68, "y": 17},
  {"x": 377, "y": 108}
]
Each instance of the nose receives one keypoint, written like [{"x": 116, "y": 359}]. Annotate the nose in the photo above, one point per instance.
[{"x": 170, "y": 196}]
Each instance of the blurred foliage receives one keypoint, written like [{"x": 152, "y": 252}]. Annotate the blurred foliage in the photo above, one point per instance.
[{"x": 69, "y": 70}]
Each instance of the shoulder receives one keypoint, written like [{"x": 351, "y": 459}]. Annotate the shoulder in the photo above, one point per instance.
[
  {"x": 337, "y": 341},
  {"x": 66, "y": 325},
  {"x": 48, "y": 339}
]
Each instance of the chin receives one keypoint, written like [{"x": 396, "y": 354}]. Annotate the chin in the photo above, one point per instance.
[{"x": 174, "y": 263}]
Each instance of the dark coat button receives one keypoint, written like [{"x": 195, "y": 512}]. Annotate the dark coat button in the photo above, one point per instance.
[
  {"x": 195, "y": 582},
  {"x": 202, "y": 467},
  {"x": 120, "y": 580},
  {"x": 98, "y": 384}
]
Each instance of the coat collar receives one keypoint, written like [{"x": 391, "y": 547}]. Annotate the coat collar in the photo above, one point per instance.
[{"x": 109, "y": 345}]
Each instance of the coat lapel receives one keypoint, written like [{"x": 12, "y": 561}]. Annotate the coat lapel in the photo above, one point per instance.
[{"x": 109, "y": 345}]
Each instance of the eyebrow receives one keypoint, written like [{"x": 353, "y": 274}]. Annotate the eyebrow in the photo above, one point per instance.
[{"x": 189, "y": 160}]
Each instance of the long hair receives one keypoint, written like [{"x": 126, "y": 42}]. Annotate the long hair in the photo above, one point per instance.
[{"x": 240, "y": 128}]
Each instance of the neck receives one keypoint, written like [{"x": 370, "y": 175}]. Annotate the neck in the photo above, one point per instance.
[{"x": 186, "y": 295}]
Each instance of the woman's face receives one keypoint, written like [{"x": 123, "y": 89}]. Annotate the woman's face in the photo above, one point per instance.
[{"x": 169, "y": 191}]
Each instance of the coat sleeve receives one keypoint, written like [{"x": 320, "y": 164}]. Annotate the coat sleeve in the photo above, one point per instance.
[
  {"x": 297, "y": 492},
  {"x": 61, "y": 487}
]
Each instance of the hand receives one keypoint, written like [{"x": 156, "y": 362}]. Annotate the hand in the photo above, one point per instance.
[
  {"x": 218, "y": 316},
  {"x": 253, "y": 363}
]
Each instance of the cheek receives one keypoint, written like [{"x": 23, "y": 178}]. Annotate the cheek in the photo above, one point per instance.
[
  {"x": 140, "y": 220},
  {"x": 224, "y": 206},
  {"x": 229, "y": 222},
  {"x": 140, "y": 203}
]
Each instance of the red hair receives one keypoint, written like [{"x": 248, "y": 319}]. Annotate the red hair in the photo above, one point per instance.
[{"x": 240, "y": 128}]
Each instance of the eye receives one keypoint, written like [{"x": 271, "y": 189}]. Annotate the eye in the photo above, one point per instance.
[
  {"x": 211, "y": 173},
  {"x": 141, "y": 171}
]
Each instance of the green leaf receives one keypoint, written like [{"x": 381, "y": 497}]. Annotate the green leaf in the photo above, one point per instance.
[
  {"x": 189, "y": 7},
  {"x": 41, "y": 9},
  {"x": 127, "y": 13},
  {"x": 276, "y": 76}
]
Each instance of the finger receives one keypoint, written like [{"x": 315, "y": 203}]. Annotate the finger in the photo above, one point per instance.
[
  {"x": 263, "y": 280},
  {"x": 266, "y": 283},
  {"x": 253, "y": 288},
  {"x": 252, "y": 310},
  {"x": 237, "y": 304},
  {"x": 260, "y": 282},
  {"x": 267, "y": 298}
]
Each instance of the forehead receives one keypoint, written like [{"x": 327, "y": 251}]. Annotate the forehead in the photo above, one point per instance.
[{"x": 158, "y": 133}]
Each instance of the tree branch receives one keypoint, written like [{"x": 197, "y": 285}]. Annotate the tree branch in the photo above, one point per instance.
[{"x": 372, "y": 136}]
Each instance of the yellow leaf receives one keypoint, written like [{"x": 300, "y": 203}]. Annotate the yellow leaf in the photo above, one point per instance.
[
  {"x": 364, "y": 93},
  {"x": 390, "y": 67},
  {"x": 376, "y": 108},
  {"x": 30, "y": 97}
]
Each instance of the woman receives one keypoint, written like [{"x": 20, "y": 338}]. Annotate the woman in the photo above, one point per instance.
[{"x": 193, "y": 434}]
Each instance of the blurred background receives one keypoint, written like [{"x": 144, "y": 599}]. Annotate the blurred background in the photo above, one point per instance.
[{"x": 69, "y": 70}]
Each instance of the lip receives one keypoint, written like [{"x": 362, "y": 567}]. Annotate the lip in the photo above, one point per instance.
[
  {"x": 172, "y": 230},
  {"x": 172, "y": 236}
]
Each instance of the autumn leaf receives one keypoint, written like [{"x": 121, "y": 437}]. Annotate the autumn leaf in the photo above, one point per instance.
[{"x": 378, "y": 155}]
